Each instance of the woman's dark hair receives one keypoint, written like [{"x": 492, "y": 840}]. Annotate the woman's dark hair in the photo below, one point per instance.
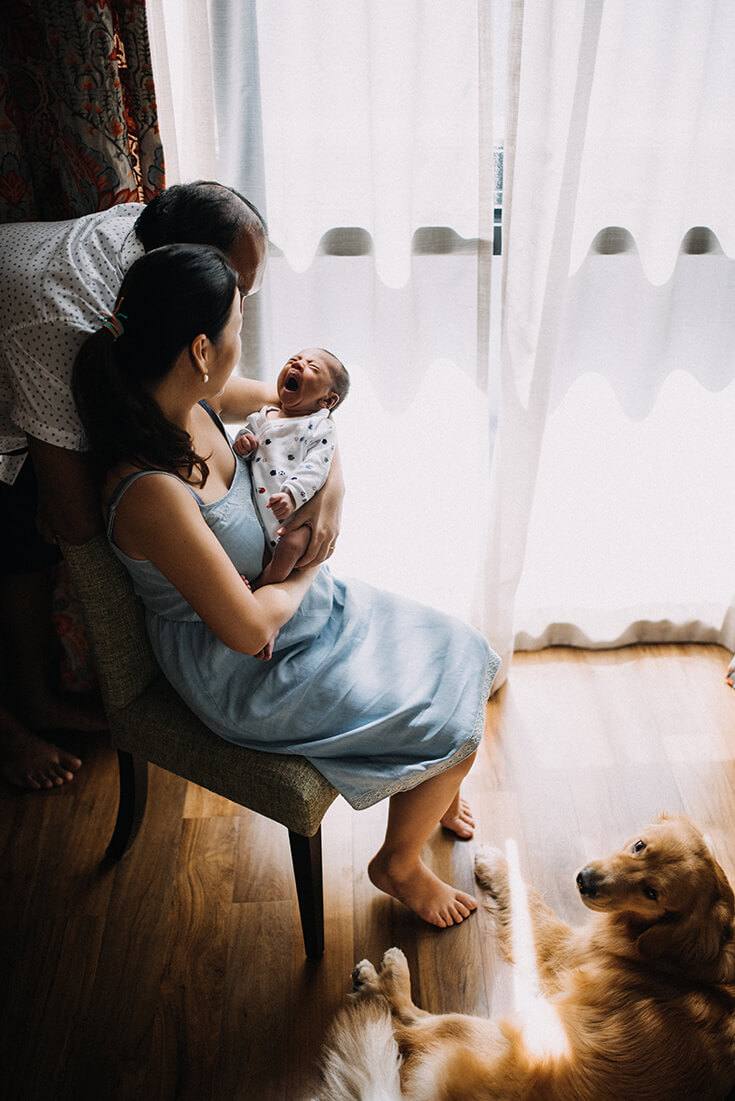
[
  {"x": 203, "y": 213},
  {"x": 168, "y": 297}
]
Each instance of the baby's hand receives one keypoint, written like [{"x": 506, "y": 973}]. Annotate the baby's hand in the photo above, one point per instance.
[
  {"x": 282, "y": 505},
  {"x": 267, "y": 652},
  {"x": 245, "y": 443}
]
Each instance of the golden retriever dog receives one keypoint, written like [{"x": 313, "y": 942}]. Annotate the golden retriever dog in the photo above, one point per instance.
[{"x": 637, "y": 1005}]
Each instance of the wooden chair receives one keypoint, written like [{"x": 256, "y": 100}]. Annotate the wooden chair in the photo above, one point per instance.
[{"x": 149, "y": 722}]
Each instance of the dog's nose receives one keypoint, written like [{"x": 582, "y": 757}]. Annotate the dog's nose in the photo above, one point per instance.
[{"x": 587, "y": 882}]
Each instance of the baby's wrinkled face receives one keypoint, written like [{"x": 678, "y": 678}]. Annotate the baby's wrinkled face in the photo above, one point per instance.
[{"x": 305, "y": 382}]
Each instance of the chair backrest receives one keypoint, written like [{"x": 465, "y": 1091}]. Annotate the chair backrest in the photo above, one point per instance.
[{"x": 115, "y": 622}]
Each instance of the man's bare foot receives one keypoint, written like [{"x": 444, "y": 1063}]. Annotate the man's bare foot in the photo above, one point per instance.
[
  {"x": 27, "y": 761},
  {"x": 458, "y": 819},
  {"x": 417, "y": 887}
]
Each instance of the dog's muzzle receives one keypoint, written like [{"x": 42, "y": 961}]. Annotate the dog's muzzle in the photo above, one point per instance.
[{"x": 589, "y": 882}]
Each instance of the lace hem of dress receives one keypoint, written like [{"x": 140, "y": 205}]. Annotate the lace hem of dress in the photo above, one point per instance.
[{"x": 464, "y": 751}]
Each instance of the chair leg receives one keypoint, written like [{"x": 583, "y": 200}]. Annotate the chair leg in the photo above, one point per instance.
[
  {"x": 133, "y": 793},
  {"x": 306, "y": 855}
]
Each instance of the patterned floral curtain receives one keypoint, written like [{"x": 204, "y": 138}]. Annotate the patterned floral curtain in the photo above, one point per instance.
[{"x": 78, "y": 121}]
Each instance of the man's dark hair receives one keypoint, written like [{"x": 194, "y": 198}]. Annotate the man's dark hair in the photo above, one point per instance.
[{"x": 200, "y": 213}]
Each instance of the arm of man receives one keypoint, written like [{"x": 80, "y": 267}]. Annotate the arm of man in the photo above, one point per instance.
[
  {"x": 38, "y": 360},
  {"x": 187, "y": 552},
  {"x": 68, "y": 493}
]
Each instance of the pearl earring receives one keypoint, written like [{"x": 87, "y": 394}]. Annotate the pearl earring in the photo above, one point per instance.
[{"x": 205, "y": 377}]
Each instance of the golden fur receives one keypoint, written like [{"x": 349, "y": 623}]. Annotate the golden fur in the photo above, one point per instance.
[{"x": 635, "y": 1006}]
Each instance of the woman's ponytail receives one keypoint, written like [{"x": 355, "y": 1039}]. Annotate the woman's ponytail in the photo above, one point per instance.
[{"x": 168, "y": 297}]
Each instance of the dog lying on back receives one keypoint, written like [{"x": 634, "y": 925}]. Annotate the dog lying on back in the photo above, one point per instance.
[{"x": 638, "y": 1005}]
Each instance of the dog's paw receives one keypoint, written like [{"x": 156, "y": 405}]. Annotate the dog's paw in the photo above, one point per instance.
[
  {"x": 394, "y": 965},
  {"x": 491, "y": 871},
  {"x": 364, "y": 978},
  {"x": 395, "y": 983}
]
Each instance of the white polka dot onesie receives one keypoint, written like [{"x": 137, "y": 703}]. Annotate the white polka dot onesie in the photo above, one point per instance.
[{"x": 294, "y": 453}]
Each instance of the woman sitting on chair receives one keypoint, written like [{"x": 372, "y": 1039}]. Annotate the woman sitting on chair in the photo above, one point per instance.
[{"x": 384, "y": 696}]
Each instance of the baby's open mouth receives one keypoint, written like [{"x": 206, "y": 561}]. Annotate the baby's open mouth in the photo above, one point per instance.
[{"x": 292, "y": 383}]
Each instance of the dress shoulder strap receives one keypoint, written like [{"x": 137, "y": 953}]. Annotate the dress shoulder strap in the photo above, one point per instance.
[{"x": 215, "y": 417}]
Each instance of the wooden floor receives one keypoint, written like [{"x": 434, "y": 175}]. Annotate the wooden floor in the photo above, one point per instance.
[{"x": 180, "y": 973}]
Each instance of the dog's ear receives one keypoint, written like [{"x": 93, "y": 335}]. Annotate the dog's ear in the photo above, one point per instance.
[{"x": 699, "y": 936}]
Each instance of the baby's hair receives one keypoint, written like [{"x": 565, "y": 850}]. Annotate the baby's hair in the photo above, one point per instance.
[{"x": 340, "y": 379}]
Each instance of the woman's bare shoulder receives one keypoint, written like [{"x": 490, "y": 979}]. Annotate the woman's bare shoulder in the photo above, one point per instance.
[{"x": 156, "y": 486}]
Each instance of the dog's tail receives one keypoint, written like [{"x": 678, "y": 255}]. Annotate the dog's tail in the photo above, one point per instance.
[{"x": 360, "y": 1060}]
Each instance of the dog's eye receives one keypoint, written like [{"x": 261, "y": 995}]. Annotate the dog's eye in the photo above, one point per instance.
[
  {"x": 638, "y": 846},
  {"x": 651, "y": 892}
]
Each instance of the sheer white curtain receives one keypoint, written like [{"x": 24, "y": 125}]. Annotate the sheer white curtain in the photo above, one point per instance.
[
  {"x": 610, "y": 521},
  {"x": 365, "y": 132}
]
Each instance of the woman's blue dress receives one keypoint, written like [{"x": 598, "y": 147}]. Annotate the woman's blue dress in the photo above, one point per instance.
[{"x": 377, "y": 691}]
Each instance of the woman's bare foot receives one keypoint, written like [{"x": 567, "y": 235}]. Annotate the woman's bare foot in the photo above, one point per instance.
[
  {"x": 417, "y": 887},
  {"x": 27, "y": 761},
  {"x": 458, "y": 819}
]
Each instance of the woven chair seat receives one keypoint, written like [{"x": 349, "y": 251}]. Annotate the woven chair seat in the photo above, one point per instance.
[{"x": 159, "y": 727}]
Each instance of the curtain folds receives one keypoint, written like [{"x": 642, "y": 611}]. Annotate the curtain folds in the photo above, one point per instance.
[
  {"x": 659, "y": 148},
  {"x": 616, "y": 368},
  {"x": 383, "y": 137},
  {"x": 184, "y": 72},
  {"x": 364, "y": 154},
  {"x": 78, "y": 124},
  {"x": 551, "y": 99},
  {"x": 556, "y": 430}
]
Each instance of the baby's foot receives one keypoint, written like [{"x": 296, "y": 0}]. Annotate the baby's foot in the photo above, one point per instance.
[
  {"x": 27, "y": 761},
  {"x": 417, "y": 887},
  {"x": 458, "y": 819}
]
